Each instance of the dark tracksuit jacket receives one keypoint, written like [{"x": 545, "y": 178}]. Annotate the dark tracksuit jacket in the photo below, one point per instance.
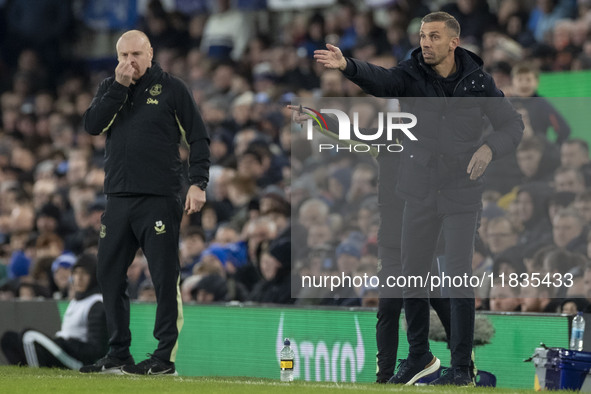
[
  {"x": 145, "y": 124},
  {"x": 433, "y": 179},
  {"x": 449, "y": 125}
]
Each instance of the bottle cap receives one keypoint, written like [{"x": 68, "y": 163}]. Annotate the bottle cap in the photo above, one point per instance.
[
  {"x": 580, "y": 313},
  {"x": 286, "y": 342}
]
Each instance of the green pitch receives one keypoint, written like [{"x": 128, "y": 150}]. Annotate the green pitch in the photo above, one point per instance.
[{"x": 15, "y": 380}]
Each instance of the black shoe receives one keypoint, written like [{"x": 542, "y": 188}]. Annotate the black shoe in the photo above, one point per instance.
[
  {"x": 108, "y": 364},
  {"x": 455, "y": 377},
  {"x": 151, "y": 366},
  {"x": 409, "y": 372}
]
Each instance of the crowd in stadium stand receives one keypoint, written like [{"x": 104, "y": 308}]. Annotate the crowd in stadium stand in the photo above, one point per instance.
[{"x": 266, "y": 182}]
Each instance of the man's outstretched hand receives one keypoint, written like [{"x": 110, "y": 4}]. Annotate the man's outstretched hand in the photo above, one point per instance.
[
  {"x": 332, "y": 58},
  {"x": 299, "y": 114}
]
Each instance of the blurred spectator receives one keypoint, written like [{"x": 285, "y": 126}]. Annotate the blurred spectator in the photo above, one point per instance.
[
  {"x": 41, "y": 27},
  {"x": 509, "y": 262},
  {"x": 569, "y": 180},
  {"x": 348, "y": 258},
  {"x": 505, "y": 299},
  {"x": 541, "y": 113},
  {"x": 501, "y": 235},
  {"x": 572, "y": 306},
  {"x": 538, "y": 299},
  {"x": 192, "y": 245},
  {"x": 474, "y": 17},
  {"x": 537, "y": 160},
  {"x": 275, "y": 267},
  {"x": 62, "y": 272},
  {"x": 532, "y": 200},
  {"x": 211, "y": 288},
  {"x": 574, "y": 153},
  {"x": 501, "y": 73},
  {"x": 547, "y": 12},
  {"x": 313, "y": 211},
  {"x": 568, "y": 229},
  {"x": 226, "y": 33},
  {"x": 225, "y": 234}
]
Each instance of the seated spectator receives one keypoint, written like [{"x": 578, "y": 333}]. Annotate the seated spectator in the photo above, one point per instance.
[
  {"x": 192, "y": 245},
  {"x": 537, "y": 160},
  {"x": 348, "y": 257},
  {"x": 313, "y": 211},
  {"x": 48, "y": 219},
  {"x": 572, "y": 306},
  {"x": 275, "y": 267},
  {"x": 531, "y": 202},
  {"x": 226, "y": 33},
  {"x": 474, "y": 16},
  {"x": 542, "y": 114},
  {"x": 569, "y": 180},
  {"x": 558, "y": 201},
  {"x": 509, "y": 262},
  {"x": 569, "y": 232},
  {"x": 211, "y": 288},
  {"x": 225, "y": 234},
  {"x": 501, "y": 235},
  {"x": 370, "y": 297},
  {"x": 62, "y": 272},
  {"x": 539, "y": 299},
  {"x": 505, "y": 299},
  {"x": 83, "y": 337},
  {"x": 574, "y": 153}
]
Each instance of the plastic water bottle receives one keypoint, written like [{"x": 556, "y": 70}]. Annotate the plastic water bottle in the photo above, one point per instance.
[
  {"x": 286, "y": 357},
  {"x": 576, "y": 338}
]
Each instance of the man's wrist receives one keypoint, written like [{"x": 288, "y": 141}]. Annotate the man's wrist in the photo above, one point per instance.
[
  {"x": 343, "y": 65},
  {"x": 201, "y": 185}
]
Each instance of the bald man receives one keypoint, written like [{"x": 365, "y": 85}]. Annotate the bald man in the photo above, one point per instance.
[{"x": 145, "y": 114}]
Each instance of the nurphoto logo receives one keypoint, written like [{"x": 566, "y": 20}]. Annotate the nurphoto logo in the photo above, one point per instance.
[{"x": 393, "y": 120}]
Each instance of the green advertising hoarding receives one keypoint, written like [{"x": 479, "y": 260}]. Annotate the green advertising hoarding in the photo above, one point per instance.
[{"x": 329, "y": 344}]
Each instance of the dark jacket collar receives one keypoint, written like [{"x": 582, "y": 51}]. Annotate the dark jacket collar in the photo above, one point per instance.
[{"x": 470, "y": 62}]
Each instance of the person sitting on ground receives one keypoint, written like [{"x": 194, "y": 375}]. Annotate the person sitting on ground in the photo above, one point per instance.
[{"x": 83, "y": 337}]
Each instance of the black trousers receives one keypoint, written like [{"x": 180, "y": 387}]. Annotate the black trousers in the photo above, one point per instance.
[
  {"x": 421, "y": 227},
  {"x": 152, "y": 223},
  {"x": 13, "y": 348},
  {"x": 389, "y": 308}
]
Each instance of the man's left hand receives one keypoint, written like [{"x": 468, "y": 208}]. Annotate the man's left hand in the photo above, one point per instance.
[
  {"x": 480, "y": 160},
  {"x": 195, "y": 200}
]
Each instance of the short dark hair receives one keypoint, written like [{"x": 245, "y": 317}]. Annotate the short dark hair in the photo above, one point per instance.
[
  {"x": 531, "y": 143},
  {"x": 580, "y": 142},
  {"x": 450, "y": 22},
  {"x": 525, "y": 68}
]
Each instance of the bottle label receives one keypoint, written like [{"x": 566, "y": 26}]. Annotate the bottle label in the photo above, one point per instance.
[
  {"x": 286, "y": 364},
  {"x": 578, "y": 333}
]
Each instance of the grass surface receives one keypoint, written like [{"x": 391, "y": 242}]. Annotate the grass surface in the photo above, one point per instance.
[{"x": 42, "y": 381}]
